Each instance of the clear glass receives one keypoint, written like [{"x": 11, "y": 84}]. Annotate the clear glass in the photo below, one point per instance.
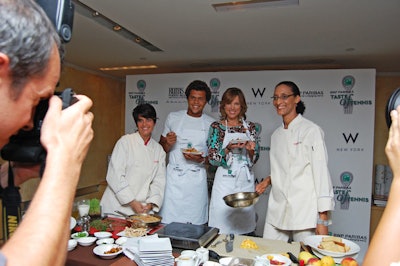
[{"x": 83, "y": 207}]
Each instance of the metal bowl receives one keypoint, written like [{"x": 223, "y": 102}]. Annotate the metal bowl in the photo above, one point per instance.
[
  {"x": 150, "y": 220},
  {"x": 241, "y": 199}
]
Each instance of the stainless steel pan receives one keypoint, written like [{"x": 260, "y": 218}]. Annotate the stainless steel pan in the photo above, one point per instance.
[{"x": 241, "y": 199}]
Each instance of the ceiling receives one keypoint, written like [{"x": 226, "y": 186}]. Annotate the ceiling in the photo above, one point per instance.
[{"x": 194, "y": 37}]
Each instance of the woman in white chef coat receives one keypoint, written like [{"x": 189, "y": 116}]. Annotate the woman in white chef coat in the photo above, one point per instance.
[
  {"x": 301, "y": 195},
  {"x": 186, "y": 194},
  {"x": 136, "y": 173},
  {"x": 234, "y": 148}
]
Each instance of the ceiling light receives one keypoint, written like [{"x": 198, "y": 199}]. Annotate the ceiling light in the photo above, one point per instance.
[
  {"x": 127, "y": 67},
  {"x": 94, "y": 15},
  {"x": 252, "y": 4}
]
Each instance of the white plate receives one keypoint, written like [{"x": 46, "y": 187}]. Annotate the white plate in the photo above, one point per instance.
[
  {"x": 86, "y": 241},
  {"x": 103, "y": 241},
  {"x": 337, "y": 260},
  {"x": 99, "y": 251},
  {"x": 278, "y": 257},
  {"x": 102, "y": 234},
  {"x": 191, "y": 152},
  {"x": 79, "y": 235},
  {"x": 314, "y": 241},
  {"x": 72, "y": 223},
  {"x": 238, "y": 141}
]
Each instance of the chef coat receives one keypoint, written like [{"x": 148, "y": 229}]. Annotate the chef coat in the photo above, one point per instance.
[
  {"x": 237, "y": 177},
  {"x": 136, "y": 172},
  {"x": 186, "y": 193},
  {"x": 301, "y": 183}
]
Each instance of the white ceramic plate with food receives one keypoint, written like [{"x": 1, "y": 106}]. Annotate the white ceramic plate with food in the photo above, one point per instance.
[
  {"x": 276, "y": 259},
  {"x": 108, "y": 251},
  {"x": 314, "y": 242},
  {"x": 191, "y": 151},
  {"x": 104, "y": 241}
]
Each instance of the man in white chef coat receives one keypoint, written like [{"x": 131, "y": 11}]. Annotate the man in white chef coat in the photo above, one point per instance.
[{"x": 185, "y": 139}]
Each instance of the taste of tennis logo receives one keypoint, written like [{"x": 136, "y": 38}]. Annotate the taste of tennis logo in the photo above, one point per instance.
[
  {"x": 139, "y": 95},
  {"x": 342, "y": 193},
  {"x": 214, "y": 102}
]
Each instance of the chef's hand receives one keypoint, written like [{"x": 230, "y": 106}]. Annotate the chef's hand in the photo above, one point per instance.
[
  {"x": 262, "y": 186},
  {"x": 198, "y": 158},
  {"x": 321, "y": 230},
  {"x": 139, "y": 207}
]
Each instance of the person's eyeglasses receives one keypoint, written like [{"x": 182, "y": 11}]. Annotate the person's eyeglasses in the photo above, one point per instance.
[{"x": 282, "y": 97}]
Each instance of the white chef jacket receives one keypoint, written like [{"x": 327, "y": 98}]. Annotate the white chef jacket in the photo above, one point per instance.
[
  {"x": 136, "y": 172},
  {"x": 186, "y": 193},
  {"x": 301, "y": 183}
]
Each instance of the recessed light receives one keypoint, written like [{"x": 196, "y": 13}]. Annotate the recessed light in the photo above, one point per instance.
[
  {"x": 252, "y": 4},
  {"x": 127, "y": 67}
]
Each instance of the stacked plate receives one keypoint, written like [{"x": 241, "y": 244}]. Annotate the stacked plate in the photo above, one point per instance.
[
  {"x": 314, "y": 242},
  {"x": 154, "y": 252}
]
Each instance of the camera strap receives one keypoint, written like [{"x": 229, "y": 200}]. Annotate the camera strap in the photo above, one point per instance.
[{"x": 11, "y": 206}]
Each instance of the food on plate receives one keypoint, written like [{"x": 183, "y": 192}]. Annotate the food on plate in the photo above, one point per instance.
[
  {"x": 349, "y": 261},
  {"x": 112, "y": 250},
  {"x": 334, "y": 244},
  {"x": 100, "y": 225},
  {"x": 190, "y": 150},
  {"x": 273, "y": 261},
  {"x": 248, "y": 244},
  {"x": 135, "y": 232},
  {"x": 305, "y": 256},
  {"x": 327, "y": 261}
]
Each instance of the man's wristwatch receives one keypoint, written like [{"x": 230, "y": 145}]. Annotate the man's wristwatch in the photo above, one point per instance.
[{"x": 324, "y": 222}]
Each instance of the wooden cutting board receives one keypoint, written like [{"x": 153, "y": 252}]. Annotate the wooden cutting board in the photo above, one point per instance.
[{"x": 265, "y": 246}]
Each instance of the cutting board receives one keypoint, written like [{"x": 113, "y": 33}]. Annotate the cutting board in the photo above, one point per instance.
[{"x": 265, "y": 246}]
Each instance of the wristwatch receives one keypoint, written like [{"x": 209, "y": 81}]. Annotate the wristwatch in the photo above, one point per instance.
[{"x": 324, "y": 222}]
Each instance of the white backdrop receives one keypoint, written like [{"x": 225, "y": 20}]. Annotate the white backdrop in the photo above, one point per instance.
[{"x": 342, "y": 102}]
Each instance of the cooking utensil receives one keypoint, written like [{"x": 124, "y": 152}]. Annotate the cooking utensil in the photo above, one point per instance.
[
  {"x": 292, "y": 257},
  {"x": 229, "y": 244},
  {"x": 241, "y": 199},
  {"x": 216, "y": 243}
]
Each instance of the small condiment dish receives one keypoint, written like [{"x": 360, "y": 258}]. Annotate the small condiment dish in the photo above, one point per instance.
[
  {"x": 86, "y": 241},
  {"x": 72, "y": 243},
  {"x": 122, "y": 240},
  {"x": 102, "y": 234},
  {"x": 103, "y": 241},
  {"x": 79, "y": 235}
]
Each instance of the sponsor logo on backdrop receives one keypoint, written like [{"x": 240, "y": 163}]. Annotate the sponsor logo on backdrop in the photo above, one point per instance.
[
  {"x": 176, "y": 95},
  {"x": 349, "y": 141},
  {"x": 312, "y": 94},
  {"x": 261, "y": 97},
  {"x": 139, "y": 95},
  {"x": 353, "y": 237},
  {"x": 345, "y": 95},
  {"x": 343, "y": 193},
  {"x": 215, "y": 84}
]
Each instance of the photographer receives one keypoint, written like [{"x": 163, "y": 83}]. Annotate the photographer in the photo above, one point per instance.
[{"x": 29, "y": 72}]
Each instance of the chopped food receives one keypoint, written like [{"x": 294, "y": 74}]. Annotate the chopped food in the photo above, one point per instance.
[
  {"x": 100, "y": 225},
  {"x": 135, "y": 232},
  {"x": 193, "y": 150},
  {"x": 81, "y": 234},
  {"x": 248, "y": 244},
  {"x": 334, "y": 244},
  {"x": 146, "y": 218},
  {"x": 113, "y": 250}
]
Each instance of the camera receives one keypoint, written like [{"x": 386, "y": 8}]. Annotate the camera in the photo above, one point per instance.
[{"x": 25, "y": 146}]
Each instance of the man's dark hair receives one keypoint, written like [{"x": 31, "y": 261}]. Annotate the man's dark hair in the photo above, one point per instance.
[{"x": 198, "y": 85}]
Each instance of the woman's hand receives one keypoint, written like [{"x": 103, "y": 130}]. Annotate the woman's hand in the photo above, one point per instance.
[
  {"x": 262, "y": 186},
  {"x": 392, "y": 148}
]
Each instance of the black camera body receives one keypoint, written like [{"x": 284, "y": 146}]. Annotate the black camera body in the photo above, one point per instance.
[{"x": 25, "y": 146}]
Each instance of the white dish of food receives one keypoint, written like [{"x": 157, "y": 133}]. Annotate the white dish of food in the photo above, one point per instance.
[
  {"x": 276, "y": 259},
  {"x": 191, "y": 151},
  {"x": 86, "y": 241},
  {"x": 103, "y": 241},
  {"x": 108, "y": 251},
  {"x": 102, "y": 234},
  {"x": 315, "y": 241},
  {"x": 79, "y": 235}
]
